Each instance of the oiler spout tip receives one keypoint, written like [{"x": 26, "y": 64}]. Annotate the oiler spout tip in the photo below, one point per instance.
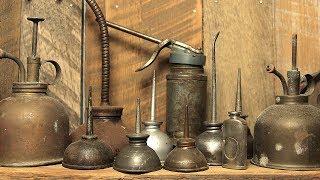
[{"x": 270, "y": 68}]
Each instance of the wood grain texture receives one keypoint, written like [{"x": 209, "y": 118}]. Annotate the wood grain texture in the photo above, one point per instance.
[
  {"x": 58, "y": 172},
  {"x": 302, "y": 18},
  {"x": 246, "y": 41},
  {"x": 10, "y": 12},
  {"x": 59, "y": 39},
  {"x": 180, "y": 20}
]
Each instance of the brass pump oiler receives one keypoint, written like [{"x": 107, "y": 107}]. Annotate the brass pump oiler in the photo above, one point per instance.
[
  {"x": 34, "y": 126},
  {"x": 89, "y": 152},
  {"x": 137, "y": 157},
  {"x": 210, "y": 141},
  {"x": 186, "y": 157},
  {"x": 287, "y": 134}
]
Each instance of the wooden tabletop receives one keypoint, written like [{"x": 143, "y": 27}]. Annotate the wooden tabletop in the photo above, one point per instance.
[{"x": 58, "y": 172}]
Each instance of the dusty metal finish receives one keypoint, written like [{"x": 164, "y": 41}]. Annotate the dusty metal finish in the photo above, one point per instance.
[
  {"x": 89, "y": 152},
  {"x": 107, "y": 118},
  {"x": 287, "y": 134},
  {"x": 158, "y": 140},
  {"x": 186, "y": 82},
  {"x": 34, "y": 126},
  {"x": 186, "y": 157},
  {"x": 235, "y": 142},
  {"x": 137, "y": 157},
  {"x": 210, "y": 141}
]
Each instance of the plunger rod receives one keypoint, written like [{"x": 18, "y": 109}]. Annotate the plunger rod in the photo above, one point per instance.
[
  {"x": 238, "y": 105},
  {"x": 186, "y": 123},
  {"x": 89, "y": 120},
  {"x": 138, "y": 117},
  {"x": 294, "y": 52},
  {"x": 153, "y": 98}
]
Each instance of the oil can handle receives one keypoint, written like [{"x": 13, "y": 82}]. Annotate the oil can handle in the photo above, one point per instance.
[
  {"x": 155, "y": 54},
  {"x": 22, "y": 71},
  {"x": 58, "y": 70}
]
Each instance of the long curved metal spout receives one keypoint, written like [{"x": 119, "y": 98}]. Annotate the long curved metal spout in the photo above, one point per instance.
[
  {"x": 105, "y": 100},
  {"x": 214, "y": 81}
]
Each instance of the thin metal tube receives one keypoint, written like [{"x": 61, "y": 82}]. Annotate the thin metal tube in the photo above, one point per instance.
[
  {"x": 89, "y": 119},
  {"x": 238, "y": 105},
  {"x": 294, "y": 52},
  {"x": 138, "y": 117},
  {"x": 186, "y": 123},
  {"x": 214, "y": 81},
  {"x": 153, "y": 98},
  {"x": 271, "y": 69}
]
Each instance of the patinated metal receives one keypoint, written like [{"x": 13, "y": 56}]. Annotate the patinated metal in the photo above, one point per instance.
[
  {"x": 310, "y": 85},
  {"x": 34, "y": 126},
  {"x": 186, "y": 83},
  {"x": 158, "y": 140},
  {"x": 107, "y": 118},
  {"x": 287, "y": 134},
  {"x": 137, "y": 157},
  {"x": 89, "y": 152},
  {"x": 210, "y": 141},
  {"x": 235, "y": 134},
  {"x": 186, "y": 157}
]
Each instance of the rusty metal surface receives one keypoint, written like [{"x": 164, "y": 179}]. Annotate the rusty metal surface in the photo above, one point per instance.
[
  {"x": 235, "y": 142},
  {"x": 186, "y": 85},
  {"x": 89, "y": 152},
  {"x": 186, "y": 157},
  {"x": 34, "y": 125},
  {"x": 137, "y": 157},
  {"x": 287, "y": 134}
]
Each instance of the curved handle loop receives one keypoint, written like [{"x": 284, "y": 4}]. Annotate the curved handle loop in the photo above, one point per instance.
[
  {"x": 307, "y": 85},
  {"x": 155, "y": 54},
  {"x": 22, "y": 70},
  {"x": 58, "y": 70}
]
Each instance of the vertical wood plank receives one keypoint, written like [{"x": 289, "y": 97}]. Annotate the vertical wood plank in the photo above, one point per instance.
[
  {"x": 180, "y": 20},
  {"x": 301, "y": 17},
  {"x": 10, "y": 13},
  {"x": 59, "y": 39},
  {"x": 246, "y": 42}
]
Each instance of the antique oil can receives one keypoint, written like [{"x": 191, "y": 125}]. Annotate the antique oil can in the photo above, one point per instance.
[
  {"x": 235, "y": 135},
  {"x": 34, "y": 126},
  {"x": 186, "y": 83},
  {"x": 106, "y": 118},
  {"x": 287, "y": 134},
  {"x": 137, "y": 157},
  {"x": 210, "y": 141}
]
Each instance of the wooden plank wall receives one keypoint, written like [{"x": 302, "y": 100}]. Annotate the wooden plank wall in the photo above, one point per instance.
[
  {"x": 254, "y": 33},
  {"x": 10, "y": 12},
  {"x": 180, "y": 20}
]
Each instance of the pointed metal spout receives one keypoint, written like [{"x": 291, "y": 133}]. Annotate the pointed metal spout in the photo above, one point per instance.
[{"x": 272, "y": 69}]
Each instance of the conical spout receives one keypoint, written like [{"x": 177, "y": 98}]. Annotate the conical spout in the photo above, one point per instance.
[
  {"x": 186, "y": 123},
  {"x": 138, "y": 117},
  {"x": 238, "y": 102},
  {"x": 153, "y": 98},
  {"x": 89, "y": 118},
  {"x": 272, "y": 69},
  {"x": 214, "y": 81}
]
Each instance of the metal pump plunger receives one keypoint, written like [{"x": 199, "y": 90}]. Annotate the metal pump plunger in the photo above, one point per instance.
[
  {"x": 137, "y": 157},
  {"x": 286, "y": 135},
  {"x": 158, "y": 140},
  {"x": 186, "y": 157},
  {"x": 210, "y": 141},
  {"x": 89, "y": 152}
]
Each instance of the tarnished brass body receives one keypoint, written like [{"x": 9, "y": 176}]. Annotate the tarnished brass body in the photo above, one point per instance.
[
  {"x": 88, "y": 152},
  {"x": 287, "y": 134},
  {"x": 186, "y": 157},
  {"x": 34, "y": 126},
  {"x": 137, "y": 157},
  {"x": 210, "y": 141}
]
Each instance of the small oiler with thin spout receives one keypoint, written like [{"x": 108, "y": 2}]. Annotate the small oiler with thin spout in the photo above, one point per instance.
[
  {"x": 89, "y": 152},
  {"x": 287, "y": 134},
  {"x": 158, "y": 140},
  {"x": 210, "y": 141},
  {"x": 186, "y": 157},
  {"x": 137, "y": 157},
  {"x": 235, "y": 131}
]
